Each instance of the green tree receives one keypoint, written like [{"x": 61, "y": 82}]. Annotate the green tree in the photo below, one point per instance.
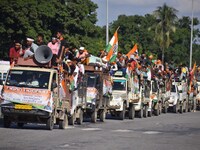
[
  {"x": 21, "y": 18},
  {"x": 166, "y": 17},
  {"x": 179, "y": 50}
]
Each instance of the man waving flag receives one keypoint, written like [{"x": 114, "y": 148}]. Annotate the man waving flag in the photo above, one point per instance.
[{"x": 112, "y": 48}]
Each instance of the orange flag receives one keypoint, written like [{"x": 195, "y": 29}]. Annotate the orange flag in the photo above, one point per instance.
[
  {"x": 192, "y": 77},
  {"x": 194, "y": 68},
  {"x": 132, "y": 51}
]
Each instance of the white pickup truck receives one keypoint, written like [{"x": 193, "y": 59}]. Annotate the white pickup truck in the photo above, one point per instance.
[{"x": 179, "y": 99}]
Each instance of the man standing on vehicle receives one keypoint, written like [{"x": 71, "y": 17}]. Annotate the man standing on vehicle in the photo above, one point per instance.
[
  {"x": 15, "y": 52},
  {"x": 31, "y": 48},
  {"x": 63, "y": 44}
]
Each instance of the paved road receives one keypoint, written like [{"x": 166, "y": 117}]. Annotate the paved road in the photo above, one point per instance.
[{"x": 165, "y": 132}]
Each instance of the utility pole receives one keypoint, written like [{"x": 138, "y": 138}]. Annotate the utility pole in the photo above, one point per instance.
[
  {"x": 191, "y": 37},
  {"x": 107, "y": 27}
]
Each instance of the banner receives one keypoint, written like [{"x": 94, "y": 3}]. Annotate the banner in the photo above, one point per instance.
[
  {"x": 91, "y": 94},
  {"x": 38, "y": 98}
]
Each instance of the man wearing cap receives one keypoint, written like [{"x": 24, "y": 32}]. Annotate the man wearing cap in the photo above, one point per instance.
[
  {"x": 16, "y": 51},
  {"x": 54, "y": 45},
  {"x": 31, "y": 48},
  {"x": 82, "y": 54}
]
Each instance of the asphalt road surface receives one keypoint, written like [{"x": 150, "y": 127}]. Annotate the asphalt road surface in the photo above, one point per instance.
[{"x": 165, "y": 132}]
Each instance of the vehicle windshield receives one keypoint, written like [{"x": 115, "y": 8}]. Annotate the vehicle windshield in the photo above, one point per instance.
[
  {"x": 119, "y": 85},
  {"x": 28, "y": 78},
  {"x": 91, "y": 81},
  {"x": 173, "y": 88}
]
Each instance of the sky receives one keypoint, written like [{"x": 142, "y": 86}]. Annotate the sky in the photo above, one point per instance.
[{"x": 142, "y": 7}]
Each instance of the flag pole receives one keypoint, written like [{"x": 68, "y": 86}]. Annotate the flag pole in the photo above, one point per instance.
[
  {"x": 107, "y": 27},
  {"x": 191, "y": 37},
  {"x": 118, "y": 28}
]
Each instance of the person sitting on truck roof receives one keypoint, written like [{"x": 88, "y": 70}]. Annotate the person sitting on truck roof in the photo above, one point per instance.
[
  {"x": 113, "y": 68},
  {"x": 68, "y": 54},
  {"x": 16, "y": 51},
  {"x": 74, "y": 50},
  {"x": 31, "y": 48},
  {"x": 121, "y": 65},
  {"x": 101, "y": 53},
  {"x": 82, "y": 54}
]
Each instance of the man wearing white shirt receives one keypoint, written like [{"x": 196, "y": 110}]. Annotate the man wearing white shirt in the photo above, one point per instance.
[{"x": 30, "y": 50}]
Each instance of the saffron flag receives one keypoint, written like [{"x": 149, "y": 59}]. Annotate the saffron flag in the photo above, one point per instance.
[
  {"x": 63, "y": 86},
  {"x": 194, "y": 68},
  {"x": 132, "y": 51},
  {"x": 192, "y": 77},
  {"x": 112, "y": 48}
]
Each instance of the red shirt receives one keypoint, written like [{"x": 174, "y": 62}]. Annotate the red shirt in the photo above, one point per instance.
[
  {"x": 133, "y": 65},
  {"x": 14, "y": 54}
]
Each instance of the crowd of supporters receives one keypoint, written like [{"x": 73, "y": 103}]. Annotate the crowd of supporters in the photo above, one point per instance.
[{"x": 73, "y": 61}]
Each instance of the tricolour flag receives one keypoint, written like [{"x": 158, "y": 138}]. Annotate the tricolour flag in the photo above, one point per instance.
[
  {"x": 132, "y": 51},
  {"x": 112, "y": 48}
]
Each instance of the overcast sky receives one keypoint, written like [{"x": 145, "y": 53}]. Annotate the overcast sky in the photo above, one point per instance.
[{"x": 142, "y": 7}]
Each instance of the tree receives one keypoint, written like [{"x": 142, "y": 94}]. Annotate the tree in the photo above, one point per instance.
[
  {"x": 166, "y": 17},
  {"x": 22, "y": 18},
  {"x": 179, "y": 50}
]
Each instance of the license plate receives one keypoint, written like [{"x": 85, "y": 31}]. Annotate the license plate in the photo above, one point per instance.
[{"x": 26, "y": 107}]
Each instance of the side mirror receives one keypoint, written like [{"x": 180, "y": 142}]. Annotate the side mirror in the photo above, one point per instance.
[
  {"x": 54, "y": 85},
  {"x": 1, "y": 82},
  {"x": 129, "y": 89},
  {"x": 98, "y": 85}
]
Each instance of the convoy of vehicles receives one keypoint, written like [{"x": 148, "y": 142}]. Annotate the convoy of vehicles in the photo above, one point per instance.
[{"x": 36, "y": 92}]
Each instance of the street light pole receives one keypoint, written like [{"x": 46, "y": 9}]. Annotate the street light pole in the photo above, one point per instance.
[
  {"x": 191, "y": 37},
  {"x": 107, "y": 35}
]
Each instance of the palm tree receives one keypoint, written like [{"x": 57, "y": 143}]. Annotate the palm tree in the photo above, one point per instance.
[{"x": 166, "y": 17}]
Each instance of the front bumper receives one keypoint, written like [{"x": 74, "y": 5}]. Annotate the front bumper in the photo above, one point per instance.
[{"x": 9, "y": 109}]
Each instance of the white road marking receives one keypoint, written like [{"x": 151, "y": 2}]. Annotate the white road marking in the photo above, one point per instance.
[
  {"x": 70, "y": 127},
  {"x": 151, "y": 132},
  {"x": 65, "y": 145},
  {"x": 91, "y": 129},
  {"x": 121, "y": 130}
]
